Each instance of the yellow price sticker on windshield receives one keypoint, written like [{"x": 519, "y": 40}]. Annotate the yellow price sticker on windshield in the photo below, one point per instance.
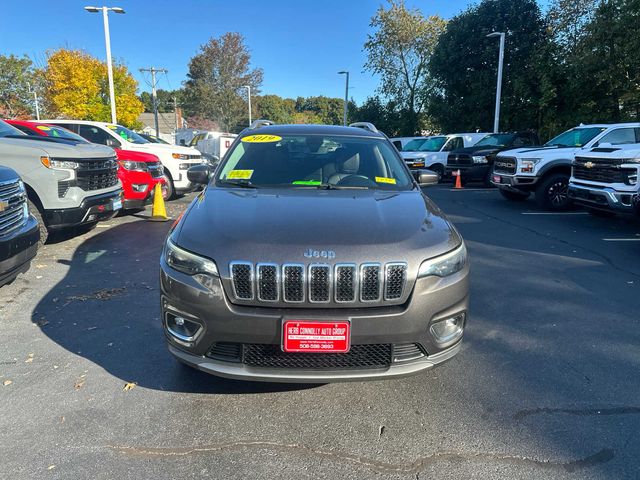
[
  {"x": 240, "y": 174},
  {"x": 43, "y": 127},
  {"x": 391, "y": 181},
  {"x": 112, "y": 127},
  {"x": 261, "y": 139}
]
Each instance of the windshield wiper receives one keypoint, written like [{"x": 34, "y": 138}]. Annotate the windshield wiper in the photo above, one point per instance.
[
  {"x": 246, "y": 184},
  {"x": 332, "y": 186}
]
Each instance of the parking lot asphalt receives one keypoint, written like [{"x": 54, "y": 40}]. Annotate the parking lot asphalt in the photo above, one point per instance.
[{"x": 546, "y": 385}]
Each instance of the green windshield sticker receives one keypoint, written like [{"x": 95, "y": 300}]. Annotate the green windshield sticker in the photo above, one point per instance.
[{"x": 307, "y": 182}]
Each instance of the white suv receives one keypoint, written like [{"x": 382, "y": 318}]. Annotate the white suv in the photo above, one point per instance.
[
  {"x": 546, "y": 170},
  {"x": 175, "y": 159}
]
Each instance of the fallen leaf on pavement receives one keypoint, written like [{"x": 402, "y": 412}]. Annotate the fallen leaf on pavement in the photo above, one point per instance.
[
  {"x": 128, "y": 386},
  {"x": 29, "y": 358},
  {"x": 7, "y": 382},
  {"x": 104, "y": 294},
  {"x": 42, "y": 322},
  {"x": 51, "y": 467}
]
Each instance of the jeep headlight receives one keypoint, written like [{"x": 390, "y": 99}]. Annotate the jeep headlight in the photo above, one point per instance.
[
  {"x": 528, "y": 165},
  {"x": 446, "y": 264},
  {"x": 480, "y": 159},
  {"x": 187, "y": 262}
]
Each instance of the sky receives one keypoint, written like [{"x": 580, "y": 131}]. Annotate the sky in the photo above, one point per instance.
[{"x": 300, "y": 44}]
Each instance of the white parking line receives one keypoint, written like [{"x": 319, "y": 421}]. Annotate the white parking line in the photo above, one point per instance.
[
  {"x": 554, "y": 213},
  {"x": 637, "y": 239},
  {"x": 470, "y": 190}
]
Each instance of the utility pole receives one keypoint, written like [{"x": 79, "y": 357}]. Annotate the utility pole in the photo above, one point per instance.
[
  {"x": 175, "y": 111},
  {"x": 154, "y": 97},
  {"x": 35, "y": 100},
  {"x": 496, "y": 118},
  {"x": 248, "y": 87},
  {"x": 346, "y": 96}
]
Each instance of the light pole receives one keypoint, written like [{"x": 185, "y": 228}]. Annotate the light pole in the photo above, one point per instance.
[
  {"x": 35, "y": 100},
  {"x": 496, "y": 119},
  {"x": 346, "y": 96},
  {"x": 248, "y": 87},
  {"x": 107, "y": 41}
]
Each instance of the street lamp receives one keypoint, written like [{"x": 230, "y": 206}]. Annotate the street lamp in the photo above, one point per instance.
[
  {"x": 496, "y": 119},
  {"x": 107, "y": 41},
  {"x": 346, "y": 96},
  {"x": 248, "y": 87}
]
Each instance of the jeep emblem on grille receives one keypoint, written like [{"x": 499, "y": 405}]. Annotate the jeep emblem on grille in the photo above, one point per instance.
[
  {"x": 3, "y": 205},
  {"x": 311, "y": 253}
]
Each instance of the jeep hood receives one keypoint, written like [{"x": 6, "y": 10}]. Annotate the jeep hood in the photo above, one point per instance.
[
  {"x": 267, "y": 225},
  {"x": 60, "y": 150}
]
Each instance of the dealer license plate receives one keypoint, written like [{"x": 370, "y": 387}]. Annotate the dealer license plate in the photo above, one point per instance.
[
  {"x": 497, "y": 179},
  {"x": 316, "y": 337}
]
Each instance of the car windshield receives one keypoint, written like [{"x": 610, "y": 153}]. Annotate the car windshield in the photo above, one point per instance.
[
  {"x": 496, "y": 140},
  {"x": 6, "y": 129},
  {"x": 413, "y": 145},
  {"x": 59, "y": 132},
  {"x": 126, "y": 134},
  {"x": 314, "y": 161},
  {"x": 576, "y": 137},
  {"x": 433, "y": 144}
]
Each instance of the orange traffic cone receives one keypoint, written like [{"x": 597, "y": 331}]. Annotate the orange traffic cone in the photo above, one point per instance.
[
  {"x": 458, "y": 185},
  {"x": 158, "y": 212}
]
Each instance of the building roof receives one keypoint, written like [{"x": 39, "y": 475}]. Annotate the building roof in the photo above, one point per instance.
[{"x": 166, "y": 122}]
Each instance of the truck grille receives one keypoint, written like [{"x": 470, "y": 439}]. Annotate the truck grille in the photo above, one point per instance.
[
  {"x": 462, "y": 159},
  {"x": 601, "y": 170},
  {"x": 12, "y": 206},
  {"x": 155, "y": 169},
  {"x": 505, "y": 165},
  {"x": 318, "y": 283},
  {"x": 96, "y": 174}
]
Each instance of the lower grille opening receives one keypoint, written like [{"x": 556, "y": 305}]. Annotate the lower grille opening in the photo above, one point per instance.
[{"x": 227, "y": 352}]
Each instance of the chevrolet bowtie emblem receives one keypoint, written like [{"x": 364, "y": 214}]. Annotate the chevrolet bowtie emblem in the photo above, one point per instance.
[
  {"x": 589, "y": 165},
  {"x": 3, "y": 205}
]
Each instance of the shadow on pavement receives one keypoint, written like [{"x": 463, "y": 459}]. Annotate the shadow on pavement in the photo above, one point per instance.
[{"x": 107, "y": 309}]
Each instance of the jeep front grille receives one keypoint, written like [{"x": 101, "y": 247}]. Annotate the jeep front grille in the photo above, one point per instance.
[
  {"x": 318, "y": 283},
  {"x": 13, "y": 199}
]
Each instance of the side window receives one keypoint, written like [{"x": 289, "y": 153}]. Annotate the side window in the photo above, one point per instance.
[
  {"x": 398, "y": 145},
  {"x": 94, "y": 134},
  {"x": 454, "y": 143},
  {"x": 24, "y": 129},
  {"x": 619, "y": 136},
  {"x": 522, "y": 141}
]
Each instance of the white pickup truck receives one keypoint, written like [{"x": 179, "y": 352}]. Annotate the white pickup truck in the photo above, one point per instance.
[
  {"x": 545, "y": 171},
  {"x": 432, "y": 152},
  {"x": 605, "y": 179}
]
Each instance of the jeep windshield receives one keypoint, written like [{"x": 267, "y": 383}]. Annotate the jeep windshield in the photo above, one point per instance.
[
  {"x": 576, "y": 137},
  {"x": 314, "y": 161},
  {"x": 496, "y": 140}
]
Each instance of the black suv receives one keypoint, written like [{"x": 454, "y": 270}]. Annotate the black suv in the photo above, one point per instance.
[
  {"x": 476, "y": 163},
  {"x": 19, "y": 233}
]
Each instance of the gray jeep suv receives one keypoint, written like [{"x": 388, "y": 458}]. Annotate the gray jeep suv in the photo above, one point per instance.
[{"x": 312, "y": 255}]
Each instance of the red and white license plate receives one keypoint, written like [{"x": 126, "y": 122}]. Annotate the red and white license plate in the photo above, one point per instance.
[
  {"x": 316, "y": 337},
  {"x": 497, "y": 179}
]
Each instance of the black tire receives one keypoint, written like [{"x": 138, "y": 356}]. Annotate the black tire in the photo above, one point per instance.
[
  {"x": 44, "y": 232},
  {"x": 599, "y": 213},
  {"x": 171, "y": 189},
  {"x": 487, "y": 179},
  {"x": 439, "y": 169},
  {"x": 513, "y": 196},
  {"x": 553, "y": 192}
]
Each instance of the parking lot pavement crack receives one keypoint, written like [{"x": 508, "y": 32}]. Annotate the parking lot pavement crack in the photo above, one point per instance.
[
  {"x": 583, "y": 412},
  {"x": 602, "y": 456},
  {"x": 606, "y": 259}
]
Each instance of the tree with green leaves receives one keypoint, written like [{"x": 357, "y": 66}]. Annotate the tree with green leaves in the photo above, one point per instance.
[
  {"x": 464, "y": 67},
  {"x": 400, "y": 50},
  {"x": 17, "y": 76},
  {"x": 275, "y": 108},
  {"x": 165, "y": 100},
  {"x": 216, "y": 79}
]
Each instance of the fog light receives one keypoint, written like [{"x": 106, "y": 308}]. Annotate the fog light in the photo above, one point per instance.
[
  {"x": 183, "y": 330},
  {"x": 139, "y": 187},
  {"x": 448, "y": 329}
]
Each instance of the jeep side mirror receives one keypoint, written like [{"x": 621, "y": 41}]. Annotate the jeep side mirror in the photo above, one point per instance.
[
  {"x": 199, "y": 174},
  {"x": 425, "y": 177}
]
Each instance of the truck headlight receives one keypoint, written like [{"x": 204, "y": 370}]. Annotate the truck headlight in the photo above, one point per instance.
[
  {"x": 134, "y": 166},
  {"x": 528, "y": 165},
  {"x": 480, "y": 159},
  {"x": 180, "y": 156},
  {"x": 58, "y": 164},
  {"x": 446, "y": 264},
  {"x": 187, "y": 262}
]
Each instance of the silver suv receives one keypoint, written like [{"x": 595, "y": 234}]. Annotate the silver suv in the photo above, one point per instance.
[
  {"x": 312, "y": 255},
  {"x": 68, "y": 183}
]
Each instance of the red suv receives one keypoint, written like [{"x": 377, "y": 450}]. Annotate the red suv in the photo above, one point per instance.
[{"x": 139, "y": 172}]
